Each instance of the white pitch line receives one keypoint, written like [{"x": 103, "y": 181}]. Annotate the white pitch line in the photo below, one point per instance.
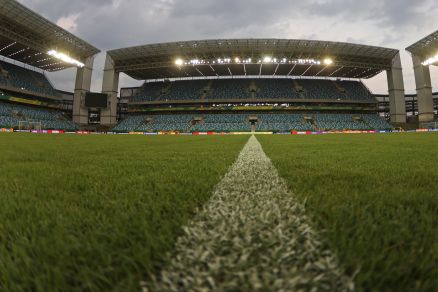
[{"x": 251, "y": 235}]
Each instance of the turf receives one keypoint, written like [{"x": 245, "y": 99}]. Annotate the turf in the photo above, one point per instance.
[
  {"x": 376, "y": 199},
  {"x": 97, "y": 213}
]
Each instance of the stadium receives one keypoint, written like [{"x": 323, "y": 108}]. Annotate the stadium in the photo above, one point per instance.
[{"x": 238, "y": 164}]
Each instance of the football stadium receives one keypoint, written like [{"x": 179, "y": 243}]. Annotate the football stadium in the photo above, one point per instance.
[{"x": 238, "y": 164}]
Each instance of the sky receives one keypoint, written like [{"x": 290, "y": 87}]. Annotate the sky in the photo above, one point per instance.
[{"x": 111, "y": 24}]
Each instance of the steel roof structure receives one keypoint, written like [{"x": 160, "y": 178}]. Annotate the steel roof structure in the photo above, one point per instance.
[
  {"x": 157, "y": 61},
  {"x": 426, "y": 47},
  {"x": 26, "y": 36}
]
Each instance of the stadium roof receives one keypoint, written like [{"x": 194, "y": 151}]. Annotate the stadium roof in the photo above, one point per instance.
[
  {"x": 426, "y": 48},
  {"x": 280, "y": 57},
  {"x": 27, "y": 37}
]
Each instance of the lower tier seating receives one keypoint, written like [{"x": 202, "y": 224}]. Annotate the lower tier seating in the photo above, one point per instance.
[
  {"x": 12, "y": 114},
  {"x": 278, "y": 122}
]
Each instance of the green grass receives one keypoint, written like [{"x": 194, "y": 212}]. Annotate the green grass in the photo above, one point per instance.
[
  {"x": 96, "y": 213},
  {"x": 375, "y": 197}
]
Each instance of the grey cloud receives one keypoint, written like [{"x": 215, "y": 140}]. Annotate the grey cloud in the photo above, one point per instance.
[{"x": 110, "y": 24}]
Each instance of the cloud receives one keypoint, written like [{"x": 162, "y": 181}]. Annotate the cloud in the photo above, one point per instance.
[
  {"x": 69, "y": 22},
  {"x": 110, "y": 24}
]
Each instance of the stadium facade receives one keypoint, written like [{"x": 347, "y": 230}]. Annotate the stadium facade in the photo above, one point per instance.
[{"x": 206, "y": 85}]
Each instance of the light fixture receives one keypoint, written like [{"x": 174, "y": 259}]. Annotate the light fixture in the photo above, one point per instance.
[
  {"x": 328, "y": 61},
  {"x": 63, "y": 57},
  {"x": 179, "y": 62},
  {"x": 267, "y": 59},
  {"x": 430, "y": 61}
]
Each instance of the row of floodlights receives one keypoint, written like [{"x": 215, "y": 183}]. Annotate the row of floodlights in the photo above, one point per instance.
[
  {"x": 63, "y": 57},
  {"x": 431, "y": 61},
  {"x": 265, "y": 60}
]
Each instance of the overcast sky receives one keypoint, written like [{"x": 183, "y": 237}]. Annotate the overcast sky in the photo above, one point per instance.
[{"x": 110, "y": 24}]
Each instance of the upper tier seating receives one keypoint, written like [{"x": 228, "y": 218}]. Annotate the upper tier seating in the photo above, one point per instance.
[
  {"x": 181, "y": 90},
  {"x": 254, "y": 88},
  {"x": 276, "y": 88},
  {"x": 149, "y": 91},
  {"x": 230, "y": 89},
  {"x": 21, "y": 78}
]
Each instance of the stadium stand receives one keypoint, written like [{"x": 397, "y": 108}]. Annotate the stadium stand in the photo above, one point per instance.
[
  {"x": 277, "y": 122},
  {"x": 283, "y": 122},
  {"x": 130, "y": 123},
  {"x": 181, "y": 90},
  {"x": 375, "y": 122},
  {"x": 12, "y": 114},
  {"x": 223, "y": 123},
  {"x": 166, "y": 123},
  {"x": 149, "y": 92},
  {"x": 22, "y": 78},
  {"x": 230, "y": 89},
  {"x": 276, "y": 88},
  {"x": 263, "y": 88},
  {"x": 338, "y": 122}
]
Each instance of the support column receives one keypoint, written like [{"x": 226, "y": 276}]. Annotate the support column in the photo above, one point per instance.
[
  {"x": 82, "y": 85},
  {"x": 110, "y": 86},
  {"x": 424, "y": 91},
  {"x": 396, "y": 88}
]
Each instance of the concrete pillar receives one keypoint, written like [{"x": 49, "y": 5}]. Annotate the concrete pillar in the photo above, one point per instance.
[
  {"x": 396, "y": 90},
  {"x": 82, "y": 85},
  {"x": 424, "y": 90},
  {"x": 110, "y": 86}
]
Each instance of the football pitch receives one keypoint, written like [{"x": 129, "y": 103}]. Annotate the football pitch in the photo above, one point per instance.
[{"x": 103, "y": 212}]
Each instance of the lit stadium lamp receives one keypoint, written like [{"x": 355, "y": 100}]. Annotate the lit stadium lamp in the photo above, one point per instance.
[
  {"x": 65, "y": 58},
  {"x": 179, "y": 62},
  {"x": 237, "y": 60},
  {"x": 267, "y": 59},
  {"x": 430, "y": 61},
  {"x": 328, "y": 61}
]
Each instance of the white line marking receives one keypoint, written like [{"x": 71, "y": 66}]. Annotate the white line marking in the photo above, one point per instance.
[{"x": 251, "y": 235}]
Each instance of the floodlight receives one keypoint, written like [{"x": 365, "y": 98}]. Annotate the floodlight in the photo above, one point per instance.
[
  {"x": 430, "y": 61},
  {"x": 237, "y": 60},
  {"x": 63, "y": 57},
  {"x": 267, "y": 59},
  {"x": 179, "y": 62},
  {"x": 328, "y": 61}
]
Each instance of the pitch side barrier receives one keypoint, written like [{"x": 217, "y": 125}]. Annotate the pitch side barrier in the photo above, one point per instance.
[{"x": 7, "y": 130}]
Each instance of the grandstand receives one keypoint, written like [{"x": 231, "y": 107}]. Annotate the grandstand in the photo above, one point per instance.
[
  {"x": 13, "y": 76},
  {"x": 23, "y": 117},
  {"x": 250, "y": 85},
  {"x": 253, "y": 89},
  {"x": 29, "y": 47},
  {"x": 249, "y": 93},
  {"x": 238, "y": 122}
]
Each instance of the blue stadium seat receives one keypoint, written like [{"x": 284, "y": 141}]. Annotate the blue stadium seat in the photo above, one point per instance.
[
  {"x": 22, "y": 78},
  {"x": 12, "y": 114}
]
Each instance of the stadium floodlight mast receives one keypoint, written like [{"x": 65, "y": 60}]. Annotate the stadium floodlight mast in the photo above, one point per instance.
[
  {"x": 431, "y": 60},
  {"x": 63, "y": 57}
]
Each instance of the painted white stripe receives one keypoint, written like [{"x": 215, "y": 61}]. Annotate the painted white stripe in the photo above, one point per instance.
[{"x": 251, "y": 235}]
